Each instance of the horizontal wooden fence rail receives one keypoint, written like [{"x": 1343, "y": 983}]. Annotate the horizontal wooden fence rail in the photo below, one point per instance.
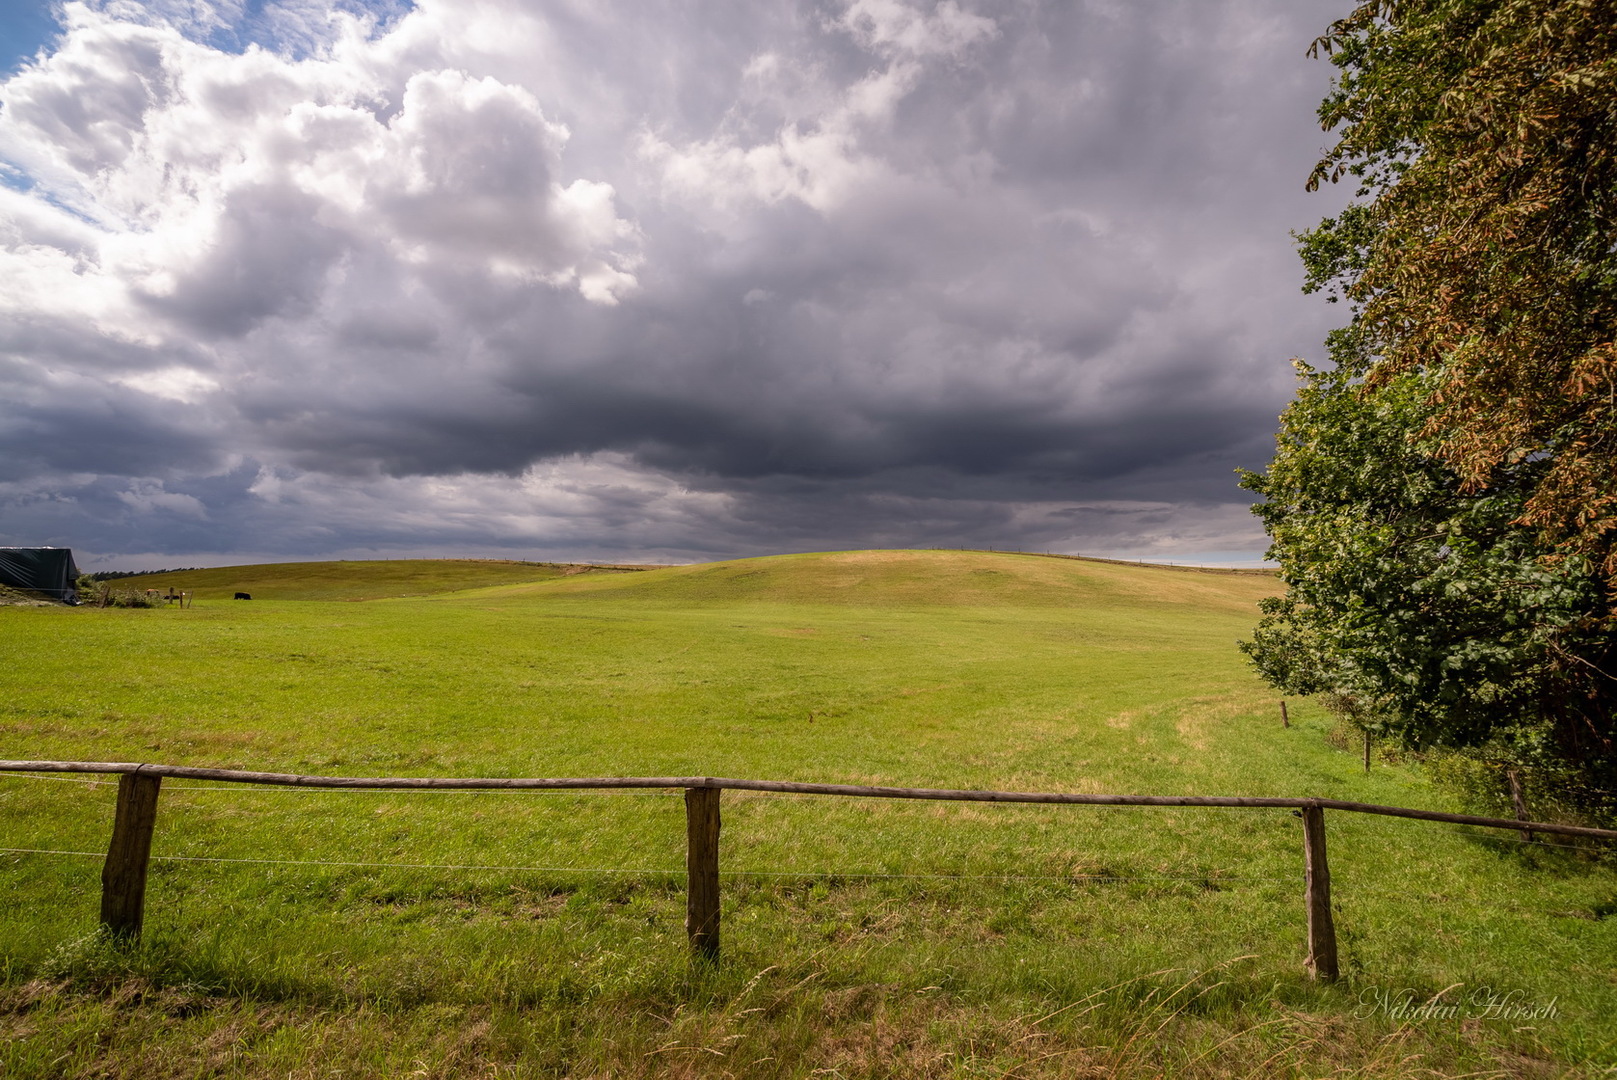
[{"x": 123, "y": 877}]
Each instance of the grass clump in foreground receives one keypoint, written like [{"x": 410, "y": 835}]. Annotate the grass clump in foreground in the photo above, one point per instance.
[{"x": 860, "y": 938}]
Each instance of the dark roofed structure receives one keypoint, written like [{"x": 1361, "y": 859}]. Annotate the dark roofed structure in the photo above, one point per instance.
[{"x": 47, "y": 570}]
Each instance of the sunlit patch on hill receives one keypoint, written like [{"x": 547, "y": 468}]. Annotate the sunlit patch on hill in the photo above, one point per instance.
[{"x": 906, "y": 578}]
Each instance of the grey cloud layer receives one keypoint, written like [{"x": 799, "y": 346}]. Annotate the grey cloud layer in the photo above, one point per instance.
[{"x": 647, "y": 279}]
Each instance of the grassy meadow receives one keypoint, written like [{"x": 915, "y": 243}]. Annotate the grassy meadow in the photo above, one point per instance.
[
  {"x": 382, "y": 934},
  {"x": 369, "y": 579}
]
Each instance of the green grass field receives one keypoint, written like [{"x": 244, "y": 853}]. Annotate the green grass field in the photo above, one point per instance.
[{"x": 542, "y": 934}]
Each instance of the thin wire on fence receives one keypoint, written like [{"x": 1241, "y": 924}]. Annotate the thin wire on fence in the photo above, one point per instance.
[
  {"x": 371, "y": 865},
  {"x": 57, "y": 779},
  {"x": 744, "y": 796},
  {"x": 1214, "y": 876}
]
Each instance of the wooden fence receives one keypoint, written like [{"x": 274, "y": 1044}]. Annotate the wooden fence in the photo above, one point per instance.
[{"x": 123, "y": 877}]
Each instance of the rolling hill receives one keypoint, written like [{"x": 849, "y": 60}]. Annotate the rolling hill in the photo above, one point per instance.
[
  {"x": 375, "y": 579},
  {"x": 878, "y": 579}
]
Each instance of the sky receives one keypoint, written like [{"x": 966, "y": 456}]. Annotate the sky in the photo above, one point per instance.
[{"x": 649, "y": 281}]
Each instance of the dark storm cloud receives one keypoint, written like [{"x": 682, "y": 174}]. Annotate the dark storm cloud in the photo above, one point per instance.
[
  {"x": 629, "y": 279},
  {"x": 66, "y": 423}
]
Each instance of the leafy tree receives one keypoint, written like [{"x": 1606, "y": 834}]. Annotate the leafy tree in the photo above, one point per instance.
[
  {"x": 1427, "y": 605},
  {"x": 1443, "y": 502},
  {"x": 1483, "y": 136}
]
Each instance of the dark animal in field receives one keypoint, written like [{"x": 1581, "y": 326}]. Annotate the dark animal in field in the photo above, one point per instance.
[{"x": 244, "y": 596}]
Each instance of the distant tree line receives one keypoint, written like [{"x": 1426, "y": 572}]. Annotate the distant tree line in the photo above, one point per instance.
[
  {"x": 1443, "y": 500},
  {"x": 114, "y": 575}
]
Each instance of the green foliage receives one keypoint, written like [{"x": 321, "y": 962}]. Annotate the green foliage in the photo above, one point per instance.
[
  {"x": 88, "y": 588},
  {"x": 1425, "y": 603},
  {"x": 1435, "y": 501},
  {"x": 1551, "y": 790},
  {"x": 101, "y": 594},
  {"x": 1483, "y": 135}
]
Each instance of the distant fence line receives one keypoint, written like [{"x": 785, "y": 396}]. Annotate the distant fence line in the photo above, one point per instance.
[
  {"x": 123, "y": 876},
  {"x": 1198, "y": 567}
]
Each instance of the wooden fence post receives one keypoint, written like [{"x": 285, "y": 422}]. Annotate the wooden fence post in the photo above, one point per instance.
[
  {"x": 702, "y": 870},
  {"x": 123, "y": 877},
  {"x": 1285, "y": 718},
  {"x": 1317, "y": 883},
  {"x": 1518, "y": 801},
  {"x": 1367, "y": 753}
]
